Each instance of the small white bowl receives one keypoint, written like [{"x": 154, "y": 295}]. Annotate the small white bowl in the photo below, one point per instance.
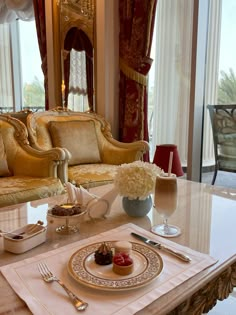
[{"x": 27, "y": 242}]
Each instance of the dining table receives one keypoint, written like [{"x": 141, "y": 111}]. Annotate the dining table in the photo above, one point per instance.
[{"x": 162, "y": 283}]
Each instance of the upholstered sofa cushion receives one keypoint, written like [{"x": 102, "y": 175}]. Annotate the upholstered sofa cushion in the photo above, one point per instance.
[
  {"x": 4, "y": 171},
  {"x": 78, "y": 137},
  {"x": 18, "y": 189}
]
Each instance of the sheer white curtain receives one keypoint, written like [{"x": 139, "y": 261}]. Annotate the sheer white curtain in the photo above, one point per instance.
[
  {"x": 212, "y": 74},
  {"x": 172, "y": 65},
  {"x": 77, "y": 99},
  {"x": 172, "y": 74},
  {"x": 6, "y": 94},
  {"x": 78, "y": 79},
  {"x": 171, "y": 77},
  {"x": 12, "y": 9}
]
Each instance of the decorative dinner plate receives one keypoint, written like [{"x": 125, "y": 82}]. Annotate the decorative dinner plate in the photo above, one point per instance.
[{"x": 148, "y": 265}]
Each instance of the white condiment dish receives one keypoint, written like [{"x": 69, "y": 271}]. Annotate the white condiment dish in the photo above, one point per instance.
[{"x": 27, "y": 241}]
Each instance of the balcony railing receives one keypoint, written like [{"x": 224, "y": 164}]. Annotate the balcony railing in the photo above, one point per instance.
[{"x": 9, "y": 109}]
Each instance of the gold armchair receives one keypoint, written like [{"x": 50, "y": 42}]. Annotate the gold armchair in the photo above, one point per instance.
[
  {"x": 92, "y": 153},
  {"x": 223, "y": 121},
  {"x": 25, "y": 173}
]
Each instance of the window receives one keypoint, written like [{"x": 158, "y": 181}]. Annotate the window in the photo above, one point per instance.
[
  {"x": 21, "y": 77},
  {"x": 171, "y": 81},
  {"x": 227, "y": 61},
  {"x": 32, "y": 75}
]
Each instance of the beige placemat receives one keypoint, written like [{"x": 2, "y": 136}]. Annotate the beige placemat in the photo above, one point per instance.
[{"x": 43, "y": 298}]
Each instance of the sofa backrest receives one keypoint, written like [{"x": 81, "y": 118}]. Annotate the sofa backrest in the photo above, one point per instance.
[
  {"x": 42, "y": 136},
  {"x": 45, "y": 131}
]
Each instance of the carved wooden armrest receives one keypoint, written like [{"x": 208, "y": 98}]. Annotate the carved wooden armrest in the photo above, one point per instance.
[{"x": 205, "y": 299}]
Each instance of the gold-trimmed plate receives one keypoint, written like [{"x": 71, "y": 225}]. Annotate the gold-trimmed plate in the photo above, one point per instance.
[{"x": 148, "y": 264}]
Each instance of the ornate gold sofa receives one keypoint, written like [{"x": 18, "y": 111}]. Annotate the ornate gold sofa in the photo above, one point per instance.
[
  {"x": 25, "y": 173},
  {"x": 93, "y": 155}
]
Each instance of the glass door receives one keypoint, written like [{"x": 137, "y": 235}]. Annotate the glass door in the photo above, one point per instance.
[
  {"x": 220, "y": 85},
  {"x": 193, "y": 53}
]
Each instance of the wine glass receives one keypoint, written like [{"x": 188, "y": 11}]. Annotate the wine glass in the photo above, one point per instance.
[{"x": 165, "y": 202}]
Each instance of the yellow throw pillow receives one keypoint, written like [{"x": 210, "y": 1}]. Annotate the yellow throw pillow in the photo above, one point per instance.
[
  {"x": 4, "y": 171},
  {"x": 79, "y": 137}
]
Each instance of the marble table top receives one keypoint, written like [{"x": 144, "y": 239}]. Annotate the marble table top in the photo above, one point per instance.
[{"x": 205, "y": 214}]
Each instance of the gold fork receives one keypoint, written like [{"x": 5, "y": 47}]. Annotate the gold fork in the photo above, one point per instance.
[{"x": 48, "y": 276}]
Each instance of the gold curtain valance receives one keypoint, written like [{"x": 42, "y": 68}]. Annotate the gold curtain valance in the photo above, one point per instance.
[{"x": 133, "y": 74}]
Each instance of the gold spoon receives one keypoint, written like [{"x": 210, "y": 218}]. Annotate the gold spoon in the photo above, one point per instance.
[{"x": 31, "y": 229}]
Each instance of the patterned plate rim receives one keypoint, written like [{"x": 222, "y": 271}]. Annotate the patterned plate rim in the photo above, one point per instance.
[{"x": 84, "y": 277}]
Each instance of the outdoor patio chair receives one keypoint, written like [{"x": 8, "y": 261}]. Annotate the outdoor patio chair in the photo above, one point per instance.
[{"x": 223, "y": 121}]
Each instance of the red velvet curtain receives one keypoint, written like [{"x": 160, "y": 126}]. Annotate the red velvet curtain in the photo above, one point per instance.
[
  {"x": 39, "y": 12},
  {"x": 136, "y": 30},
  {"x": 78, "y": 40}
]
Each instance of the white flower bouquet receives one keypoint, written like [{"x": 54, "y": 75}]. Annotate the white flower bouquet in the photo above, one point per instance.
[{"x": 137, "y": 179}]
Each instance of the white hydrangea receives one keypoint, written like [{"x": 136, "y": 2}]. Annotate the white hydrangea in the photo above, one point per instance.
[{"x": 137, "y": 179}]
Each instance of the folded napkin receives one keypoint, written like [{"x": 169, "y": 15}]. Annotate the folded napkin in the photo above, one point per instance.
[{"x": 97, "y": 207}]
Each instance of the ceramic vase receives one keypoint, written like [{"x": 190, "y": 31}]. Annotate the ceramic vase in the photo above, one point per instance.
[{"x": 137, "y": 207}]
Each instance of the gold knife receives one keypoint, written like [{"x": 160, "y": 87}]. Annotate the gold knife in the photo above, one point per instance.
[{"x": 160, "y": 246}]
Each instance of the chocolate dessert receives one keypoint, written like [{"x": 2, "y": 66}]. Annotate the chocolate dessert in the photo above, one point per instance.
[
  {"x": 66, "y": 210},
  {"x": 103, "y": 255}
]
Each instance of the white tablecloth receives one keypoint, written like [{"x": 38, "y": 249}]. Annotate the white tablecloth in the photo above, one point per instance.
[{"x": 43, "y": 298}]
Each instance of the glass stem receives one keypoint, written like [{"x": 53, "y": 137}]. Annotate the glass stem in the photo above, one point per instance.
[{"x": 166, "y": 227}]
